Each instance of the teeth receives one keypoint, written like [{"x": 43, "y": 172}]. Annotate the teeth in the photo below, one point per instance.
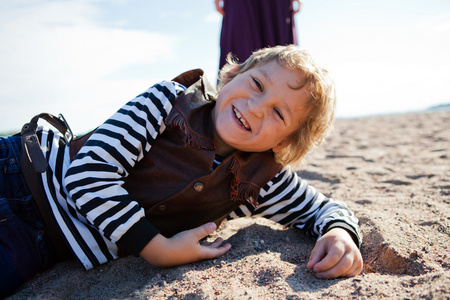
[{"x": 239, "y": 117}]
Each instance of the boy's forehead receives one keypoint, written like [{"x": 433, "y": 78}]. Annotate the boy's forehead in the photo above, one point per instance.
[{"x": 296, "y": 78}]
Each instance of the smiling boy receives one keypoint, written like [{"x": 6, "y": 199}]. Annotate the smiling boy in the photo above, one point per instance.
[
  {"x": 259, "y": 109},
  {"x": 174, "y": 162}
]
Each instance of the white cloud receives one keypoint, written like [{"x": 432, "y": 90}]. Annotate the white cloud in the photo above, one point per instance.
[
  {"x": 54, "y": 57},
  {"x": 381, "y": 71},
  {"x": 435, "y": 25}
]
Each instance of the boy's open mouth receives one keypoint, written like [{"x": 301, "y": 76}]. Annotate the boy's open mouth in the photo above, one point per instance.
[{"x": 241, "y": 120}]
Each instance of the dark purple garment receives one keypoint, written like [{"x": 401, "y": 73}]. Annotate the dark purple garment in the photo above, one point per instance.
[{"x": 249, "y": 25}]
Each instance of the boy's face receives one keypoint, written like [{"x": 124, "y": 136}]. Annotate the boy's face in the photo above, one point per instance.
[{"x": 258, "y": 109}]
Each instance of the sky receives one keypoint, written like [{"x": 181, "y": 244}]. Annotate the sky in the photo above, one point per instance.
[{"x": 86, "y": 58}]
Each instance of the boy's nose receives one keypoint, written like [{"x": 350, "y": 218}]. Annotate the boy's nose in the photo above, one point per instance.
[{"x": 257, "y": 107}]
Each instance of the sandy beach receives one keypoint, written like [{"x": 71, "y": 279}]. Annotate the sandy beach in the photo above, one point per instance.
[{"x": 392, "y": 171}]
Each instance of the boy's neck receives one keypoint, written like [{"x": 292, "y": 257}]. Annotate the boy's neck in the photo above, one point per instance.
[
  {"x": 223, "y": 152},
  {"x": 222, "y": 148}
]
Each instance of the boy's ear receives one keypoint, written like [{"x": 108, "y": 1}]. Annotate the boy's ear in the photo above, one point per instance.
[{"x": 281, "y": 145}]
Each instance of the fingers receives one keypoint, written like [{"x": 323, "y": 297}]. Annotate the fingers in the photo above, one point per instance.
[
  {"x": 210, "y": 250},
  {"x": 357, "y": 264},
  {"x": 217, "y": 242},
  {"x": 333, "y": 266},
  {"x": 214, "y": 249},
  {"x": 345, "y": 268},
  {"x": 204, "y": 230},
  {"x": 213, "y": 252},
  {"x": 331, "y": 259},
  {"x": 339, "y": 267},
  {"x": 316, "y": 256},
  {"x": 334, "y": 257},
  {"x": 356, "y": 271}
]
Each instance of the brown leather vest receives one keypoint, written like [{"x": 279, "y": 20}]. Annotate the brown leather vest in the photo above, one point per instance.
[{"x": 174, "y": 183}]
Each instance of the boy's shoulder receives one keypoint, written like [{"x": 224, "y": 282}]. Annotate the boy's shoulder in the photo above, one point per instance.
[
  {"x": 190, "y": 77},
  {"x": 194, "y": 81}
]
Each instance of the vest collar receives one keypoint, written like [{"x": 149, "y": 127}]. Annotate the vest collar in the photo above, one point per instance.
[{"x": 192, "y": 111}]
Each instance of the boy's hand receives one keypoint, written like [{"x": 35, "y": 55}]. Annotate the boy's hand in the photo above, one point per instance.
[
  {"x": 184, "y": 247},
  {"x": 335, "y": 255}
]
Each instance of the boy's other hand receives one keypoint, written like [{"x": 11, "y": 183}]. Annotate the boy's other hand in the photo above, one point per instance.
[
  {"x": 335, "y": 255},
  {"x": 184, "y": 247}
]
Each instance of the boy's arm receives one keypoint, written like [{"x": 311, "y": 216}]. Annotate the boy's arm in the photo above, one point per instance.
[
  {"x": 94, "y": 179},
  {"x": 290, "y": 201}
]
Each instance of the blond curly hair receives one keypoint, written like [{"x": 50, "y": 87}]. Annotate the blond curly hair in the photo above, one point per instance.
[{"x": 320, "y": 109}]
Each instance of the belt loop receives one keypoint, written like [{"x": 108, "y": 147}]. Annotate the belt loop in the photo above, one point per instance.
[{"x": 68, "y": 135}]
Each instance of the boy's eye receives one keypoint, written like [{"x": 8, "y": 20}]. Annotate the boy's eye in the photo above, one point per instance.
[
  {"x": 278, "y": 112},
  {"x": 258, "y": 84}
]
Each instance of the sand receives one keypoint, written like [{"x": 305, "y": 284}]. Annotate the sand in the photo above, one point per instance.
[{"x": 392, "y": 171}]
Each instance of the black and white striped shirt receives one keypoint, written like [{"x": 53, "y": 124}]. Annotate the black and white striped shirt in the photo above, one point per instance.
[{"x": 94, "y": 211}]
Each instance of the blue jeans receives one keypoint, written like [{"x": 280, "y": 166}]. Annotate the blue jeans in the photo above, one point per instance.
[{"x": 25, "y": 247}]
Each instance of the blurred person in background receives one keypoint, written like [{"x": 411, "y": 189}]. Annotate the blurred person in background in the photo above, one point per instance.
[{"x": 249, "y": 25}]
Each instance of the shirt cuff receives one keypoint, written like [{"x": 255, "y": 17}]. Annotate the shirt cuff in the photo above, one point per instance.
[
  {"x": 340, "y": 224},
  {"x": 137, "y": 237}
]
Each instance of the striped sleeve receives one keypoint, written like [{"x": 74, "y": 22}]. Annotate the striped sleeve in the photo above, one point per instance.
[
  {"x": 290, "y": 201},
  {"x": 95, "y": 178}
]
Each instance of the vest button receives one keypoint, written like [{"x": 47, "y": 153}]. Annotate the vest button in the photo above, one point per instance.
[
  {"x": 162, "y": 208},
  {"x": 198, "y": 186}
]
